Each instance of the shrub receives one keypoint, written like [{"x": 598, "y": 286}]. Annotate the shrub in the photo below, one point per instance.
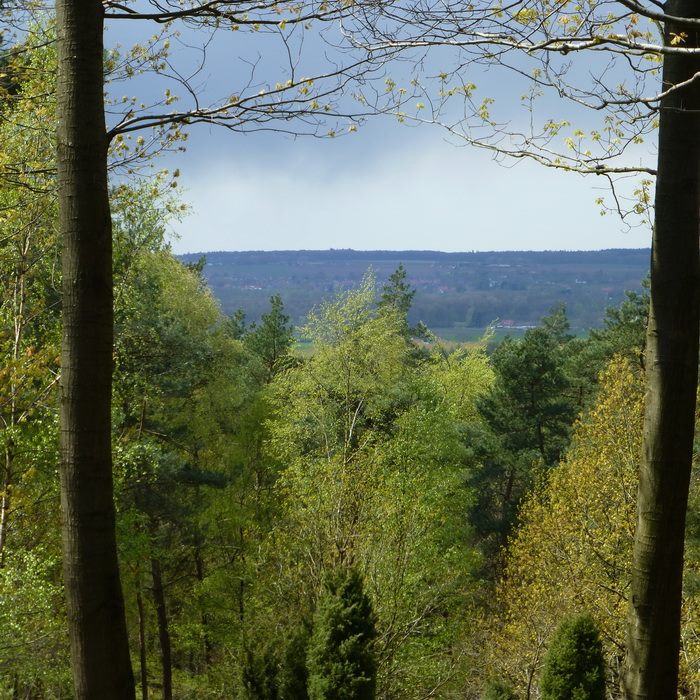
[
  {"x": 499, "y": 690},
  {"x": 574, "y": 668},
  {"x": 293, "y": 676}
]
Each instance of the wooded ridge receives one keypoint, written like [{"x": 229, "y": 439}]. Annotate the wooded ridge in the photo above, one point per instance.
[{"x": 454, "y": 291}]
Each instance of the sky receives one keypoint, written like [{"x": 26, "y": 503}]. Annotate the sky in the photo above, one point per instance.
[
  {"x": 387, "y": 186},
  {"x": 410, "y": 191}
]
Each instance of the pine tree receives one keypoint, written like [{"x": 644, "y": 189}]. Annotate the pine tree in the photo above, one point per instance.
[
  {"x": 270, "y": 341},
  {"x": 397, "y": 293},
  {"x": 293, "y": 676},
  {"x": 574, "y": 668},
  {"x": 340, "y": 659}
]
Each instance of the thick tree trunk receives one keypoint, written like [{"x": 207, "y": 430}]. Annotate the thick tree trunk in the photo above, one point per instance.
[
  {"x": 671, "y": 367},
  {"x": 163, "y": 629},
  {"x": 97, "y": 627}
]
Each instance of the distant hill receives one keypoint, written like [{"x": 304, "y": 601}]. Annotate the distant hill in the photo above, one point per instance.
[{"x": 453, "y": 290}]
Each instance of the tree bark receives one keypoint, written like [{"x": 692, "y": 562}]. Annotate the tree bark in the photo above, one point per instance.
[
  {"x": 99, "y": 646},
  {"x": 163, "y": 630},
  {"x": 671, "y": 375}
]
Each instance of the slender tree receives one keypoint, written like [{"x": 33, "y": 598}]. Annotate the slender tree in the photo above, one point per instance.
[
  {"x": 271, "y": 341},
  {"x": 101, "y": 664}
]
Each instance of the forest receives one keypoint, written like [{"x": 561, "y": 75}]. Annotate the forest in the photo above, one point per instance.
[
  {"x": 262, "y": 496},
  {"x": 457, "y": 294},
  {"x": 190, "y": 508}
]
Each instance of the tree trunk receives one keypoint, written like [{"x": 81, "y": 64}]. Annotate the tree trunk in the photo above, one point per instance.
[
  {"x": 199, "y": 572},
  {"x": 99, "y": 646},
  {"x": 671, "y": 376},
  {"x": 5, "y": 498},
  {"x": 163, "y": 631},
  {"x": 143, "y": 662}
]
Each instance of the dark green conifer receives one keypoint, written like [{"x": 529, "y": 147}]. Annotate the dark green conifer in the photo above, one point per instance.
[
  {"x": 293, "y": 676},
  {"x": 397, "y": 293},
  {"x": 574, "y": 668},
  {"x": 341, "y": 661},
  {"x": 260, "y": 674},
  {"x": 271, "y": 341}
]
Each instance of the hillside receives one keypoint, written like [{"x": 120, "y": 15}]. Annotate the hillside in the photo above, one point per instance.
[{"x": 453, "y": 290}]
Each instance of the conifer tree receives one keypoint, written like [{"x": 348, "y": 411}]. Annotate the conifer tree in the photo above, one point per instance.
[
  {"x": 271, "y": 341},
  {"x": 293, "y": 676},
  {"x": 397, "y": 293},
  {"x": 574, "y": 668},
  {"x": 341, "y": 661}
]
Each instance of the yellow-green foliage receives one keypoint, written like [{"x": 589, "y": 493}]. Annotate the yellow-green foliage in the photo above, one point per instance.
[
  {"x": 573, "y": 551},
  {"x": 372, "y": 457}
]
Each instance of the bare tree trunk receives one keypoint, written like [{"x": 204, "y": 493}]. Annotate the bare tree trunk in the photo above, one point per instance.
[
  {"x": 5, "y": 499},
  {"x": 97, "y": 627},
  {"x": 671, "y": 375},
  {"x": 143, "y": 665},
  {"x": 163, "y": 631}
]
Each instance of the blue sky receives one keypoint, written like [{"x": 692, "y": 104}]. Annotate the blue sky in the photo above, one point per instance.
[{"x": 388, "y": 186}]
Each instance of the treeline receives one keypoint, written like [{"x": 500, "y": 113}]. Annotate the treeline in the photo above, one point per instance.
[
  {"x": 610, "y": 256},
  {"x": 464, "y": 290}
]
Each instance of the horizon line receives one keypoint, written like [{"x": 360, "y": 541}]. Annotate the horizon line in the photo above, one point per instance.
[{"x": 418, "y": 250}]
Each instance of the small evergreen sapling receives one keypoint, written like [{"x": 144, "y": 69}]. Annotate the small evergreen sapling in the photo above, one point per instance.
[
  {"x": 341, "y": 661},
  {"x": 574, "y": 668}
]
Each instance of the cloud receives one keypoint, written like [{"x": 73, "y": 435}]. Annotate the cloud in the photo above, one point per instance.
[{"x": 411, "y": 194}]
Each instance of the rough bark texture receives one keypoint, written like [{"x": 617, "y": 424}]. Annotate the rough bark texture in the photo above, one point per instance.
[
  {"x": 672, "y": 366},
  {"x": 99, "y": 647}
]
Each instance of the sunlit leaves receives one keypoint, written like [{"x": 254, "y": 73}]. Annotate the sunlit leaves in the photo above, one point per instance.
[
  {"x": 573, "y": 551},
  {"x": 372, "y": 452}
]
